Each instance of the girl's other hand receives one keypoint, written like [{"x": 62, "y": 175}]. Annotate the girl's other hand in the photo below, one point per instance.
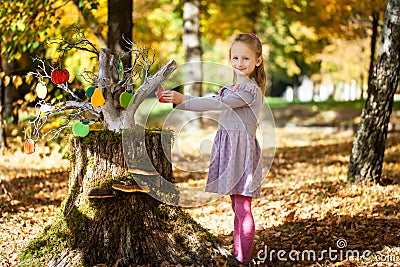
[{"x": 173, "y": 97}]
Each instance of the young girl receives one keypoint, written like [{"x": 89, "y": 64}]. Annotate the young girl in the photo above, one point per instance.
[{"x": 236, "y": 165}]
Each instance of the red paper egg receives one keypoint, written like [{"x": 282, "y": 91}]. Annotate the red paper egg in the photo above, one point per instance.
[{"x": 59, "y": 76}]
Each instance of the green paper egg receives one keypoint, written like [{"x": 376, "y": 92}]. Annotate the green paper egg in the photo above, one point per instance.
[
  {"x": 80, "y": 129},
  {"x": 125, "y": 99},
  {"x": 89, "y": 91}
]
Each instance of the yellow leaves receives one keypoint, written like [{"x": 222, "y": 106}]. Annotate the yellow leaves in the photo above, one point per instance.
[
  {"x": 296, "y": 8},
  {"x": 17, "y": 81},
  {"x": 346, "y": 263},
  {"x": 340, "y": 63},
  {"x": 370, "y": 234},
  {"x": 329, "y": 9},
  {"x": 20, "y": 26},
  {"x": 288, "y": 3},
  {"x": 299, "y": 31},
  {"x": 42, "y": 37},
  {"x": 304, "y": 204},
  {"x": 29, "y": 97},
  {"x": 29, "y": 78},
  {"x": 6, "y": 80},
  {"x": 285, "y": 63},
  {"x": 14, "y": 132},
  {"x": 290, "y": 216}
]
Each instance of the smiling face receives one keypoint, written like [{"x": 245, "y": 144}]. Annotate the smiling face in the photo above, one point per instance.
[{"x": 243, "y": 58}]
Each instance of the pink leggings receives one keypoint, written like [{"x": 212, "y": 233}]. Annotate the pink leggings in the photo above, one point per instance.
[{"x": 243, "y": 234}]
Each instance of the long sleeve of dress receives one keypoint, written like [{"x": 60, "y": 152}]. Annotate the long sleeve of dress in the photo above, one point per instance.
[{"x": 244, "y": 96}]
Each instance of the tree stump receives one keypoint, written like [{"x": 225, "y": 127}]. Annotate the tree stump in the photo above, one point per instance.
[{"x": 122, "y": 229}]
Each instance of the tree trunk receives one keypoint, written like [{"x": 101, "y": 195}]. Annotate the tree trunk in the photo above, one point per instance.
[
  {"x": 374, "y": 37},
  {"x": 192, "y": 44},
  {"x": 296, "y": 84},
  {"x": 10, "y": 92},
  {"x": 3, "y": 138},
  {"x": 129, "y": 228},
  {"x": 369, "y": 144},
  {"x": 120, "y": 25}
]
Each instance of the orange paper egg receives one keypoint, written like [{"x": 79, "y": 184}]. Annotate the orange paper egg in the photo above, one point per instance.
[
  {"x": 29, "y": 146},
  {"x": 98, "y": 99}
]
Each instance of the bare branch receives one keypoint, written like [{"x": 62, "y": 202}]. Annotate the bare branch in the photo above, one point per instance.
[
  {"x": 82, "y": 106},
  {"x": 78, "y": 42},
  {"x": 145, "y": 89},
  {"x": 88, "y": 76},
  {"x": 42, "y": 66}
]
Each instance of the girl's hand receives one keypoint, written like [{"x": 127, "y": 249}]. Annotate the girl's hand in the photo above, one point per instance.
[{"x": 173, "y": 97}]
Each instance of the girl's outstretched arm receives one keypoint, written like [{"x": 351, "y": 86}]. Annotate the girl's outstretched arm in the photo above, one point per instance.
[{"x": 193, "y": 103}]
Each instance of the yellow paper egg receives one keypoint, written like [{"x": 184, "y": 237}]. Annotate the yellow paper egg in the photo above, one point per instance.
[{"x": 41, "y": 90}]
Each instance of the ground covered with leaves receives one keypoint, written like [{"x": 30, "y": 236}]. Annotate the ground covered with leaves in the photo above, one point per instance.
[{"x": 307, "y": 215}]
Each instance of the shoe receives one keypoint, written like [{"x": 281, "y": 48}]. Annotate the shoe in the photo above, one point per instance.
[
  {"x": 130, "y": 188},
  {"x": 241, "y": 263},
  {"x": 100, "y": 192}
]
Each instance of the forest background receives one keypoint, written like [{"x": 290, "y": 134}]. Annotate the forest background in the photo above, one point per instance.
[{"x": 328, "y": 42}]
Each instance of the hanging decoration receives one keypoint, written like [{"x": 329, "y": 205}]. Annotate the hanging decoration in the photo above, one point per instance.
[
  {"x": 41, "y": 90},
  {"x": 125, "y": 99},
  {"x": 120, "y": 69},
  {"x": 89, "y": 91},
  {"x": 98, "y": 99},
  {"x": 29, "y": 144},
  {"x": 81, "y": 128},
  {"x": 59, "y": 76}
]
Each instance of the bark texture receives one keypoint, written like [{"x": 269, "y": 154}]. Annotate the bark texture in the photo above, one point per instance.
[{"x": 369, "y": 144}]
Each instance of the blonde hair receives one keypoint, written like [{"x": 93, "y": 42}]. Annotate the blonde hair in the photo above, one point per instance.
[{"x": 254, "y": 43}]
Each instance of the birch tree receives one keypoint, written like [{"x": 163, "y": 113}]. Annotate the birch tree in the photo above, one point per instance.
[
  {"x": 192, "y": 44},
  {"x": 369, "y": 144}
]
